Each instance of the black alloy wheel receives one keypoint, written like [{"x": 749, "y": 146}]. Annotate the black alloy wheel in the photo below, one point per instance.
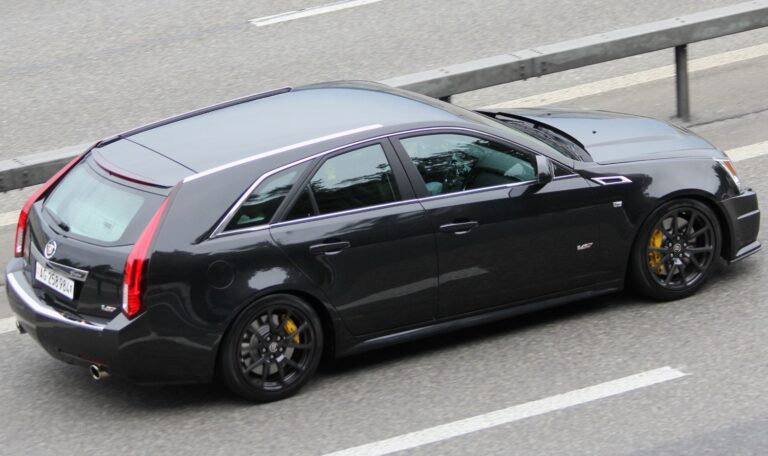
[
  {"x": 272, "y": 349},
  {"x": 677, "y": 250}
]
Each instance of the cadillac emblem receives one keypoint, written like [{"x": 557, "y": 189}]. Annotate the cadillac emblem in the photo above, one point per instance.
[{"x": 50, "y": 249}]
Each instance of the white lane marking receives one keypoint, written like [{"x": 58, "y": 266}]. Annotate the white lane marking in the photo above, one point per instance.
[
  {"x": 629, "y": 80},
  {"x": 9, "y": 218},
  {"x": 751, "y": 151},
  {"x": 514, "y": 413},
  {"x": 7, "y": 325},
  {"x": 307, "y": 12}
]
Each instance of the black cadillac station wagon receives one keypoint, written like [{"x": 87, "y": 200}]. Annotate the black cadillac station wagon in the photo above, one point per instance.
[{"x": 249, "y": 238}]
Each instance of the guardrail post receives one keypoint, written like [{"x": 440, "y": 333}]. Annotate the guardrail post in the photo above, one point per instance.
[{"x": 681, "y": 80}]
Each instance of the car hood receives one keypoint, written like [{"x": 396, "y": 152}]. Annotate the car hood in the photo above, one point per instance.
[{"x": 615, "y": 138}]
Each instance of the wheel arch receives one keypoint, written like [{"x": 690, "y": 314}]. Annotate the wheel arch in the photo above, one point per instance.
[
  {"x": 328, "y": 322},
  {"x": 694, "y": 194}
]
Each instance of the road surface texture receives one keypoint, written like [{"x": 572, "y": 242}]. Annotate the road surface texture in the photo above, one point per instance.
[{"x": 76, "y": 72}]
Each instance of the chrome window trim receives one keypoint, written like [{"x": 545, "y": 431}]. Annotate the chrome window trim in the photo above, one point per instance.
[
  {"x": 477, "y": 190},
  {"x": 236, "y": 207},
  {"x": 393, "y": 204},
  {"x": 219, "y": 230},
  {"x": 371, "y": 208},
  {"x": 345, "y": 212},
  {"x": 242, "y": 230},
  {"x": 382, "y": 206}
]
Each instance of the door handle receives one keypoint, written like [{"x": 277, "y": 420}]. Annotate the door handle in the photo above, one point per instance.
[
  {"x": 458, "y": 227},
  {"x": 329, "y": 248}
]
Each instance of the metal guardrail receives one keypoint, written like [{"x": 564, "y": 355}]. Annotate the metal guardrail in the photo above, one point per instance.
[
  {"x": 479, "y": 74},
  {"x": 35, "y": 169},
  {"x": 671, "y": 33}
]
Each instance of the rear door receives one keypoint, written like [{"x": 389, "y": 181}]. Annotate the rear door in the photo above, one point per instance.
[
  {"x": 81, "y": 235},
  {"x": 355, "y": 230},
  {"x": 501, "y": 236}
]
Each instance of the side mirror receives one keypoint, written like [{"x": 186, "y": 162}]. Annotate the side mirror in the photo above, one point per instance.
[{"x": 545, "y": 170}]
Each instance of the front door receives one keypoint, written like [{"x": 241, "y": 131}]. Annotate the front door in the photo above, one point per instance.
[{"x": 501, "y": 236}]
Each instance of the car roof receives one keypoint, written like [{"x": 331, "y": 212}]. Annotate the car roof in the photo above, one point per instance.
[{"x": 232, "y": 131}]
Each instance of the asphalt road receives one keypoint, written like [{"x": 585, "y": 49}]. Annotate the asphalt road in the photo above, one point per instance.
[
  {"x": 73, "y": 73},
  {"x": 149, "y": 60}
]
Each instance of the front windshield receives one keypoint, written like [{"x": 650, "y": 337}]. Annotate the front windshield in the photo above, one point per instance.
[{"x": 552, "y": 138}]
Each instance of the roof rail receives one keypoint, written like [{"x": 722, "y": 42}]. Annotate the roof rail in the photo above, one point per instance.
[{"x": 194, "y": 113}]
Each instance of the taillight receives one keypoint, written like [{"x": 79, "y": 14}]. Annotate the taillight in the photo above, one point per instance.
[
  {"x": 21, "y": 227},
  {"x": 21, "y": 232},
  {"x": 135, "y": 267}
]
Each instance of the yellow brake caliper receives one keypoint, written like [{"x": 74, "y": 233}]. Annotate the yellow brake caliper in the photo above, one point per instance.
[
  {"x": 654, "y": 258},
  {"x": 290, "y": 327}
]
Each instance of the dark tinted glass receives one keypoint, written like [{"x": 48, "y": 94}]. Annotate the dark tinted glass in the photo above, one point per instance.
[
  {"x": 561, "y": 171},
  {"x": 302, "y": 207},
  {"x": 264, "y": 201},
  {"x": 353, "y": 180},
  {"x": 452, "y": 163}
]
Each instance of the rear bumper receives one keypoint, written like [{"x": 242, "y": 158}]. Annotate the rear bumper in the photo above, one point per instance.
[
  {"x": 125, "y": 348},
  {"x": 743, "y": 218}
]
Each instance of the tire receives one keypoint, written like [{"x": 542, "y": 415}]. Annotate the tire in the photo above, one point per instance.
[
  {"x": 272, "y": 349},
  {"x": 673, "y": 261}
]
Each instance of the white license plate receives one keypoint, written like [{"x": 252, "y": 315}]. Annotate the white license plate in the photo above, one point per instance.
[{"x": 55, "y": 280}]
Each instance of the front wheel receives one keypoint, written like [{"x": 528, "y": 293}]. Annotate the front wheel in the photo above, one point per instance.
[
  {"x": 676, "y": 250},
  {"x": 272, "y": 349}
]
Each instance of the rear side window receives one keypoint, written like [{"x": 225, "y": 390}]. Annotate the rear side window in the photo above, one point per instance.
[
  {"x": 451, "y": 163},
  {"x": 91, "y": 207},
  {"x": 352, "y": 180},
  {"x": 263, "y": 202}
]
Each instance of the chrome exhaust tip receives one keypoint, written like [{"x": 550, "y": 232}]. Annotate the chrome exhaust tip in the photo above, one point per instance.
[
  {"x": 98, "y": 372},
  {"x": 20, "y": 328}
]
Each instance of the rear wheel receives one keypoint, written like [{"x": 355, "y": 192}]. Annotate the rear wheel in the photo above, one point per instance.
[
  {"x": 676, "y": 251},
  {"x": 272, "y": 349}
]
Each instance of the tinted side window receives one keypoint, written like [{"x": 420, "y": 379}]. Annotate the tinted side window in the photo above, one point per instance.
[
  {"x": 353, "y": 180},
  {"x": 452, "y": 163},
  {"x": 263, "y": 202}
]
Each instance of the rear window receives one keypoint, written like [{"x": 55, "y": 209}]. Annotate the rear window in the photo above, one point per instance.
[{"x": 88, "y": 206}]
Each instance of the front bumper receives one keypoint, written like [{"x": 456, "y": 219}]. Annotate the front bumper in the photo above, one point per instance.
[
  {"x": 125, "y": 348},
  {"x": 743, "y": 218}
]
